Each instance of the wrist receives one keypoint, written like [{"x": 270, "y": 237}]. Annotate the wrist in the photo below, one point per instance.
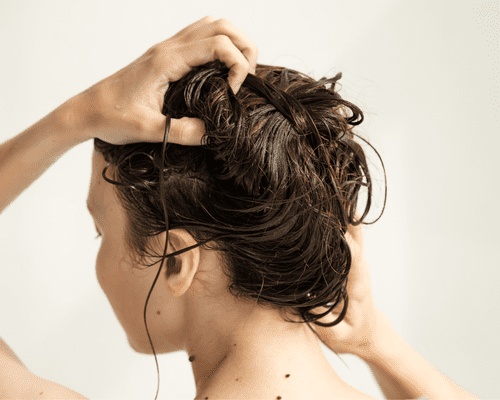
[
  {"x": 383, "y": 340},
  {"x": 73, "y": 119}
]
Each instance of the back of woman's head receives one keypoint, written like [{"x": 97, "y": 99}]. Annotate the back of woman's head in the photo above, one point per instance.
[{"x": 272, "y": 188}]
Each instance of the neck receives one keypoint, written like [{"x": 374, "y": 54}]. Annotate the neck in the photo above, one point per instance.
[{"x": 260, "y": 349}]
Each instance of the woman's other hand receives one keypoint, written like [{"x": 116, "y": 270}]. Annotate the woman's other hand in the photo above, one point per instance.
[
  {"x": 126, "y": 107},
  {"x": 357, "y": 333}
]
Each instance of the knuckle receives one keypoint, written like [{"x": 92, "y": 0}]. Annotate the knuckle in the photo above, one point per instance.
[
  {"x": 224, "y": 24},
  {"x": 222, "y": 40},
  {"x": 244, "y": 67},
  {"x": 209, "y": 18},
  {"x": 255, "y": 50},
  {"x": 155, "y": 64},
  {"x": 154, "y": 52},
  {"x": 158, "y": 55}
]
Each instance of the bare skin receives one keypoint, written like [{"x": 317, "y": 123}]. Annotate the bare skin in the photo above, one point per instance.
[{"x": 237, "y": 350}]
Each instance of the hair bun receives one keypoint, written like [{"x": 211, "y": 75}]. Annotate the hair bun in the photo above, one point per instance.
[
  {"x": 274, "y": 185},
  {"x": 258, "y": 137}
]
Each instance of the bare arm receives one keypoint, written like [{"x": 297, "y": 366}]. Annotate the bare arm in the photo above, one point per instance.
[
  {"x": 22, "y": 160},
  {"x": 367, "y": 333},
  {"x": 28, "y": 155},
  {"x": 402, "y": 373},
  {"x": 123, "y": 108},
  {"x": 126, "y": 107}
]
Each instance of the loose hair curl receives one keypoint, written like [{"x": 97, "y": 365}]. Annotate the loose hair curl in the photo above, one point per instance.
[{"x": 272, "y": 188}]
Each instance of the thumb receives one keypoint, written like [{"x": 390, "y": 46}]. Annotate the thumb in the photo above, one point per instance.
[{"x": 186, "y": 131}]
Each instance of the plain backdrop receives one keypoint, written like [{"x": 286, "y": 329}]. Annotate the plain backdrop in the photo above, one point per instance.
[{"x": 426, "y": 75}]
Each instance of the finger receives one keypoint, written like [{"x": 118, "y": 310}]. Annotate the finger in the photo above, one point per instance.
[
  {"x": 195, "y": 25},
  {"x": 226, "y": 28},
  {"x": 211, "y": 49},
  {"x": 186, "y": 131}
]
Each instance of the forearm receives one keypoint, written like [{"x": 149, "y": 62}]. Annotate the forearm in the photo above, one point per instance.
[
  {"x": 402, "y": 373},
  {"x": 28, "y": 155}
]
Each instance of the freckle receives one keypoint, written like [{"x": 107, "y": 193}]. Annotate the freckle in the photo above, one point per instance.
[
  {"x": 236, "y": 378},
  {"x": 206, "y": 398},
  {"x": 158, "y": 312},
  {"x": 287, "y": 376},
  {"x": 235, "y": 344},
  {"x": 278, "y": 398},
  {"x": 40, "y": 393},
  {"x": 191, "y": 359}
]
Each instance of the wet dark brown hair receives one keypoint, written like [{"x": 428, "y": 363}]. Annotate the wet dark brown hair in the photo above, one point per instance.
[{"x": 272, "y": 188}]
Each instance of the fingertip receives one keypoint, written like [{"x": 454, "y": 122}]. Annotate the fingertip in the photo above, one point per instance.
[
  {"x": 236, "y": 88},
  {"x": 235, "y": 83},
  {"x": 252, "y": 61}
]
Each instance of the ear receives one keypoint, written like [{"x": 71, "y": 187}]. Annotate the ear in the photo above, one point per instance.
[{"x": 181, "y": 269}]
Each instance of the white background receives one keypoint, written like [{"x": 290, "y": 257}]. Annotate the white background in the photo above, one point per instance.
[{"x": 424, "y": 72}]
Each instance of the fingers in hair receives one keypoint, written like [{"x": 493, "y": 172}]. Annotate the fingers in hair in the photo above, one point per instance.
[
  {"x": 186, "y": 131},
  {"x": 224, "y": 27},
  {"x": 220, "y": 48}
]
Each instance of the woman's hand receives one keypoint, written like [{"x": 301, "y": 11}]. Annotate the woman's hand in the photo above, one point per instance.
[
  {"x": 357, "y": 333},
  {"x": 126, "y": 107}
]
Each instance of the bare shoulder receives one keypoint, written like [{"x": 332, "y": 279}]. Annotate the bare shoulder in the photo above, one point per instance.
[
  {"x": 17, "y": 382},
  {"x": 46, "y": 389},
  {"x": 285, "y": 395},
  {"x": 305, "y": 390}
]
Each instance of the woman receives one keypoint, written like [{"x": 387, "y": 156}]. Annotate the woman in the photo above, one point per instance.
[{"x": 236, "y": 251}]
